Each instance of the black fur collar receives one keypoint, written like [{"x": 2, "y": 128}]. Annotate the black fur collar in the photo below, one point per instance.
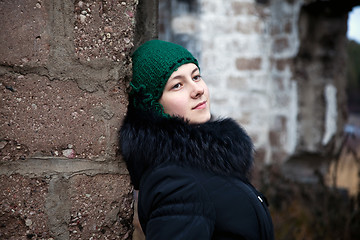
[{"x": 147, "y": 140}]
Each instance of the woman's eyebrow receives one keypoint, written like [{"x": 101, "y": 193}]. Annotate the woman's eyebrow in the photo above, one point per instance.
[
  {"x": 195, "y": 69},
  {"x": 181, "y": 75}
]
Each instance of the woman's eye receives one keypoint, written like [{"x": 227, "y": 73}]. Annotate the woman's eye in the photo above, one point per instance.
[
  {"x": 197, "y": 78},
  {"x": 176, "y": 86}
]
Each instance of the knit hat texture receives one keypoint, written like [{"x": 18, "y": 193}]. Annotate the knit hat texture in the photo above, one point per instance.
[{"x": 153, "y": 63}]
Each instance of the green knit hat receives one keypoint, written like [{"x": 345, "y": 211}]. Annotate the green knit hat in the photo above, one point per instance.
[{"x": 153, "y": 63}]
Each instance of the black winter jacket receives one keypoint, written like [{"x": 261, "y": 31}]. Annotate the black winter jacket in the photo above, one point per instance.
[{"x": 193, "y": 179}]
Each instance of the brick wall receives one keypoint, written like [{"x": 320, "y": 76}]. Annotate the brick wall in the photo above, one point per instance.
[
  {"x": 247, "y": 63},
  {"x": 64, "y": 69},
  {"x": 250, "y": 54}
]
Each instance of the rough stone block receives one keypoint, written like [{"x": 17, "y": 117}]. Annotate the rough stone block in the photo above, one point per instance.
[
  {"x": 237, "y": 83},
  {"x": 278, "y": 156},
  {"x": 219, "y": 26},
  {"x": 279, "y": 83},
  {"x": 24, "y": 38},
  {"x": 245, "y": 119},
  {"x": 184, "y": 24},
  {"x": 275, "y": 138},
  {"x": 277, "y": 132},
  {"x": 248, "y": 64},
  {"x": 244, "y": 83},
  {"x": 281, "y": 27},
  {"x": 259, "y": 156},
  {"x": 210, "y": 6},
  {"x": 280, "y": 45},
  {"x": 22, "y": 208},
  {"x": 243, "y": 8},
  {"x": 275, "y": 29},
  {"x": 101, "y": 207},
  {"x": 104, "y": 29},
  {"x": 288, "y": 27},
  {"x": 253, "y": 101},
  {"x": 248, "y": 27},
  {"x": 51, "y": 118},
  {"x": 281, "y": 100},
  {"x": 282, "y": 64}
]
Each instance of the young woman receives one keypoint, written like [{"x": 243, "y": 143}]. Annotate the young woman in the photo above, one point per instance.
[{"x": 192, "y": 172}]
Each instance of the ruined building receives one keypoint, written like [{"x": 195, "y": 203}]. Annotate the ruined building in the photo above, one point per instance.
[{"x": 276, "y": 66}]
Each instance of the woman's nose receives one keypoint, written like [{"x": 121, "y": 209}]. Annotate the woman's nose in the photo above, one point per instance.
[{"x": 197, "y": 91}]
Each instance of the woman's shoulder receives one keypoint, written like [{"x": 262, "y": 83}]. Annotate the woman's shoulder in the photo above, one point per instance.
[
  {"x": 172, "y": 190},
  {"x": 168, "y": 175}
]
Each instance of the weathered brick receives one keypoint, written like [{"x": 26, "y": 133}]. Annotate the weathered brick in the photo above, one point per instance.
[
  {"x": 288, "y": 27},
  {"x": 245, "y": 119},
  {"x": 243, "y": 8},
  {"x": 101, "y": 207},
  {"x": 210, "y": 6},
  {"x": 22, "y": 208},
  {"x": 259, "y": 156},
  {"x": 278, "y": 83},
  {"x": 248, "y": 63},
  {"x": 254, "y": 101},
  {"x": 248, "y": 27},
  {"x": 24, "y": 38},
  {"x": 101, "y": 32},
  {"x": 259, "y": 166},
  {"x": 280, "y": 45},
  {"x": 281, "y": 100},
  {"x": 281, "y": 64},
  {"x": 278, "y": 129},
  {"x": 278, "y": 156},
  {"x": 184, "y": 25},
  {"x": 220, "y": 25},
  {"x": 237, "y": 83},
  {"x": 43, "y": 116},
  {"x": 275, "y": 138},
  {"x": 275, "y": 29}
]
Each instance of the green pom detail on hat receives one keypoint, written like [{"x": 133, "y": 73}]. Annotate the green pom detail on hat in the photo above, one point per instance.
[{"x": 153, "y": 63}]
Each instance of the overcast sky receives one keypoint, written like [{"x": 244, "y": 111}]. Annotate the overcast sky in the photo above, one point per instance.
[{"x": 354, "y": 25}]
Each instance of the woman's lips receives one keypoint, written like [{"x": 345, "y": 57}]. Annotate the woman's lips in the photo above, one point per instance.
[{"x": 201, "y": 105}]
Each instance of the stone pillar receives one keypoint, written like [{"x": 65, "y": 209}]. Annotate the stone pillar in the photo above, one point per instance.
[{"x": 64, "y": 70}]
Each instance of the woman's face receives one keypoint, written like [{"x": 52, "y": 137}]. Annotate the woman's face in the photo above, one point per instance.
[{"x": 186, "y": 95}]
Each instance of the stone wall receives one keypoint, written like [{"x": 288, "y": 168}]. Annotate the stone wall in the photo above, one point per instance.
[{"x": 64, "y": 69}]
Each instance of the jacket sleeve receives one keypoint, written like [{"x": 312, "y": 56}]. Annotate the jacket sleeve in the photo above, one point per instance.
[{"x": 173, "y": 205}]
